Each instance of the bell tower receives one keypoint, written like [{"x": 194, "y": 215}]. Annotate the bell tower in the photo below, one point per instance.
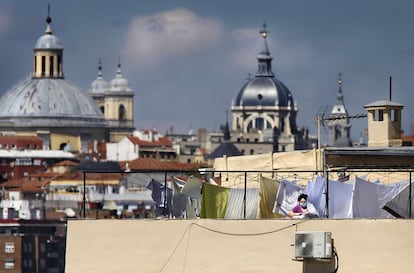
[{"x": 119, "y": 107}]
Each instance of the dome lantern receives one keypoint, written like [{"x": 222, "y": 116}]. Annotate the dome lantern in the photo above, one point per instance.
[{"x": 48, "y": 53}]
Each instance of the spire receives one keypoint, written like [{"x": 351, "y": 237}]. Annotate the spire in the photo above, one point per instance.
[
  {"x": 100, "y": 68},
  {"x": 264, "y": 58},
  {"x": 340, "y": 95},
  {"x": 339, "y": 107},
  {"x": 226, "y": 133},
  {"x": 48, "y": 20},
  {"x": 263, "y": 33},
  {"x": 119, "y": 72}
]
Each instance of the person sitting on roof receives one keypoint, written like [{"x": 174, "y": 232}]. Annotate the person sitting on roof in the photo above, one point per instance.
[{"x": 304, "y": 209}]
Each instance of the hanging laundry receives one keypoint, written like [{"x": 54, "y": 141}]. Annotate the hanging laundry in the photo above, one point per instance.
[
  {"x": 214, "y": 201},
  {"x": 162, "y": 197},
  {"x": 370, "y": 198},
  {"x": 235, "y": 204},
  {"x": 287, "y": 197},
  {"x": 267, "y": 198}
]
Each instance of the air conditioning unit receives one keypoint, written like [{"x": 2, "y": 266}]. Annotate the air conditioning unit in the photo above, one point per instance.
[{"x": 313, "y": 244}]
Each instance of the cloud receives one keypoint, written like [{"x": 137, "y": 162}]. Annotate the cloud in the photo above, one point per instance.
[{"x": 170, "y": 35}]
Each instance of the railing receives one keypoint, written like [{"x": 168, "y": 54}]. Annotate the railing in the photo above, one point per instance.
[{"x": 245, "y": 176}]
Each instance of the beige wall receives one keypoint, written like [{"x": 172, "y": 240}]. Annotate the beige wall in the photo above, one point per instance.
[
  {"x": 57, "y": 139},
  {"x": 363, "y": 246}
]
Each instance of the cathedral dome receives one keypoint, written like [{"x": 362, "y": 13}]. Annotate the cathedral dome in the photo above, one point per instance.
[
  {"x": 49, "y": 102},
  {"x": 264, "y": 91}
]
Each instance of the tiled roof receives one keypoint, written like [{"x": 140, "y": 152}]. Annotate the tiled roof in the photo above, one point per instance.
[
  {"x": 9, "y": 137},
  {"x": 90, "y": 176},
  {"x": 141, "y": 164},
  {"x": 162, "y": 141},
  {"x": 66, "y": 163},
  {"x": 25, "y": 185}
]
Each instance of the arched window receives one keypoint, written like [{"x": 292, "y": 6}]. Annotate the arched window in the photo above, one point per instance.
[
  {"x": 121, "y": 112},
  {"x": 102, "y": 108}
]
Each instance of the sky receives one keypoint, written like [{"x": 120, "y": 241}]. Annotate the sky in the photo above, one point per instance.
[{"x": 187, "y": 60}]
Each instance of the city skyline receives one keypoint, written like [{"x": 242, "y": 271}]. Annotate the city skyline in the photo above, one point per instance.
[{"x": 186, "y": 60}]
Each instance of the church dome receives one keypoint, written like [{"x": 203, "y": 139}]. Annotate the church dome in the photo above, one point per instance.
[
  {"x": 47, "y": 99},
  {"x": 99, "y": 86},
  {"x": 119, "y": 83},
  {"x": 264, "y": 89},
  {"x": 49, "y": 102}
]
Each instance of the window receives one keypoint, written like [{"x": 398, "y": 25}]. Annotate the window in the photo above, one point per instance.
[
  {"x": 43, "y": 65},
  {"x": 42, "y": 263},
  {"x": 27, "y": 247},
  {"x": 378, "y": 115},
  {"x": 251, "y": 151},
  {"x": 8, "y": 263},
  {"x": 51, "y": 66},
  {"x": 23, "y": 162},
  {"x": 393, "y": 115},
  {"x": 121, "y": 112},
  {"x": 27, "y": 263},
  {"x": 59, "y": 64},
  {"x": 42, "y": 247},
  {"x": 9, "y": 247}
]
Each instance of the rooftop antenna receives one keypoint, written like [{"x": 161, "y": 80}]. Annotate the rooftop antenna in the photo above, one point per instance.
[{"x": 390, "y": 87}]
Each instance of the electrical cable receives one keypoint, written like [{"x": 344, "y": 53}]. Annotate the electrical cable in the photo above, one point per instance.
[
  {"x": 336, "y": 260},
  {"x": 172, "y": 253},
  {"x": 219, "y": 232},
  {"x": 186, "y": 250},
  {"x": 249, "y": 234}
]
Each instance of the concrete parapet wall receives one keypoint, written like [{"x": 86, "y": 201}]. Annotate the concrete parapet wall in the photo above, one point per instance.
[{"x": 207, "y": 245}]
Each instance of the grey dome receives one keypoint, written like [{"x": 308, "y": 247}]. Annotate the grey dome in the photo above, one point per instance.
[
  {"x": 48, "y": 41},
  {"x": 119, "y": 83},
  {"x": 264, "y": 91},
  {"x": 49, "y": 102},
  {"x": 99, "y": 86}
]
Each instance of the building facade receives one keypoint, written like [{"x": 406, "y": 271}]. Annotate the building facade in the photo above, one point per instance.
[{"x": 32, "y": 246}]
